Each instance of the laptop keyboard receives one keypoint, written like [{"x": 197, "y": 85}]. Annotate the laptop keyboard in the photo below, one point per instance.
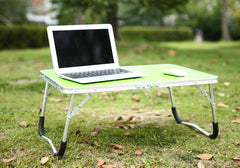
[{"x": 96, "y": 73}]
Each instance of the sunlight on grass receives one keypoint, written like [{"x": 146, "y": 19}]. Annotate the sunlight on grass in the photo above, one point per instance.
[{"x": 189, "y": 45}]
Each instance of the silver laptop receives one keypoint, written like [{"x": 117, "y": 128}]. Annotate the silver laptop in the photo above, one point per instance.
[{"x": 86, "y": 53}]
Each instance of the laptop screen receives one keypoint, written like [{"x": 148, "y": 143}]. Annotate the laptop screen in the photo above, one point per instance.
[{"x": 82, "y": 47}]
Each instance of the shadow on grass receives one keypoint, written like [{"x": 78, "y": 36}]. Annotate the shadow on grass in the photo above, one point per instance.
[{"x": 140, "y": 137}]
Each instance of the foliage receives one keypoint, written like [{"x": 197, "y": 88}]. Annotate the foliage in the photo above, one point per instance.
[
  {"x": 234, "y": 7},
  {"x": 206, "y": 15},
  {"x": 134, "y": 12},
  {"x": 156, "y": 33},
  {"x": 13, "y": 11},
  {"x": 162, "y": 5},
  {"x": 23, "y": 36}
]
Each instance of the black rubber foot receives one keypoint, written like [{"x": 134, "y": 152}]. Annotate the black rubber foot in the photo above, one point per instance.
[
  {"x": 175, "y": 114},
  {"x": 41, "y": 126},
  {"x": 215, "y": 131},
  {"x": 62, "y": 149}
]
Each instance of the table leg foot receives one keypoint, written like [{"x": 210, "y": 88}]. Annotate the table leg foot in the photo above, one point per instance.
[
  {"x": 175, "y": 114},
  {"x": 215, "y": 131},
  {"x": 61, "y": 149}
]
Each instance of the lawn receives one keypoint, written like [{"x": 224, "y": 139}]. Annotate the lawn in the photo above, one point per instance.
[{"x": 151, "y": 139}]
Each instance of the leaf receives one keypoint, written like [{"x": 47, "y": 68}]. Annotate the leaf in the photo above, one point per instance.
[
  {"x": 221, "y": 104},
  {"x": 171, "y": 53},
  {"x": 201, "y": 164},
  {"x": 118, "y": 118},
  {"x": 94, "y": 133},
  {"x": 150, "y": 100},
  {"x": 40, "y": 111},
  {"x": 68, "y": 98},
  {"x": 236, "y": 121},
  {"x": 209, "y": 68},
  {"x": 23, "y": 124},
  {"x": 133, "y": 126},
  {"x": 237, "y": 108},
  {"x": 157, "y": 113},
  {"x": 127, "y": 133},
  {"x": 8, "y": 160},
  {"x": 44, "y": 160},
  {"x": 226, "y": 84},
  {"x": 121, "y": 126},
  {"x": 108, "y": 166},
  {"x": 117, "y": 146},
  {"x": 160, "y": 91},
  {"x": 106, "y": 98},
  {"x": 205, "y": 156},
  {"x": 129, "y": 119},
  {"x": 136, "y": 98},
  {"x": 56, "y": 100},
  {"x": 97, "y": 130},
  {"x": 138, "y": 152},
  {"x": 236, "y": 161},
  {"x": 220, "y": 94},
  {"x": 77, "y": 132},
  {"x": 100, "y": 162},
  {"x": 213, "y": 61},
  {"x": 113, "y": 98},
  {"x": 164, "y": 132},
  {"x": 134, "y": 108}
]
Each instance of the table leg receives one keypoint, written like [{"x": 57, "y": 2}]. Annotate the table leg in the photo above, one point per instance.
[
  {"x": 70, "y": 114},
  {"x": 47, "y": 91},
  {"x": 215, "y": 124}
]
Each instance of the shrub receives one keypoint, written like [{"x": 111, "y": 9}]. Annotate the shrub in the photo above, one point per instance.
[
  {"x": 156, "y": 33},
  {"x": 23, "y": 36}
]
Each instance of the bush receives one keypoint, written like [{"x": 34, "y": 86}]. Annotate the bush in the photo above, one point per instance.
[
  {"x": 23, "y": 36},
  {"x": 156, "y": 33}
]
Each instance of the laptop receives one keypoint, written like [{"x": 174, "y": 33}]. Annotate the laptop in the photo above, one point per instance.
[{"x": 86, "y": 53}]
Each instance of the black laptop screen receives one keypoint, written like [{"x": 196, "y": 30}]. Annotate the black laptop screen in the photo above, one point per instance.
[{"x": 82, "y": 47}]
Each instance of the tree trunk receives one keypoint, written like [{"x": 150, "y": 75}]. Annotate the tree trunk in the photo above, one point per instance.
[
  {"x": 79, "y": 16},
  {"x": 112, "y": 18},
  {"x": 225, "y": 32}
]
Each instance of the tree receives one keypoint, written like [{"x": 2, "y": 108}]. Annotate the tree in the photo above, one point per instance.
[
  {"x": 234, "y": 22},
  {"x": 204, "y": 15},
  {"x": 110, "y": 7},
  {"x": 13, "y": 11},
  {"x": 225, "y": 32}
]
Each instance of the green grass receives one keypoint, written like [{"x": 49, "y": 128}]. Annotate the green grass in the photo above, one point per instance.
[{"x": 164, "y": 143}]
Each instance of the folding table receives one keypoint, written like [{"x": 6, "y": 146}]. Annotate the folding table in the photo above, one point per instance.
[{"x": 154, "y": 78}]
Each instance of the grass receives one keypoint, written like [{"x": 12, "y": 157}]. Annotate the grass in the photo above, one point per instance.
[{"x": 164, "y": 143}]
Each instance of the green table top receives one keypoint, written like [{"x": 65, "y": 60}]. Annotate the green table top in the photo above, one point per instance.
[{"x": 154, "y": 78}]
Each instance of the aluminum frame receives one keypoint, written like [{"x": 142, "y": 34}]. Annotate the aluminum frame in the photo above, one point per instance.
[{"x": 70, "y": 114}]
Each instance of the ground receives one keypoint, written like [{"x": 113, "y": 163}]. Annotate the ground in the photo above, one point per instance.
[{"x": 146, "y": 135}]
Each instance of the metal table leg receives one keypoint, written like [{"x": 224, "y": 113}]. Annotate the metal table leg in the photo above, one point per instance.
[
  {"x": 70, "y": 114},
  {"x": 211, "y": 100}
]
